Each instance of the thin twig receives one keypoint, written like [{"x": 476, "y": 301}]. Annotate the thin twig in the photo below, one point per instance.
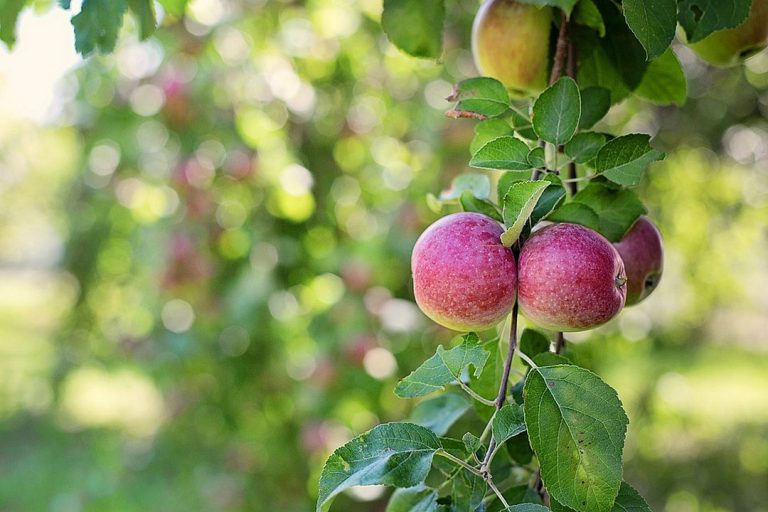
[
  {"x": 561, "y": 51},
  {"x": 527, "y": 360},
  {"x": 473, "y": 394},
  {"x": 460, "y": 462},
  {"x": 559, "y": 343},
  {"x": 498, "y": 493}
]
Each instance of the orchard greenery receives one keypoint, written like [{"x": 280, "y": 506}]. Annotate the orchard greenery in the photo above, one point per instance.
[{"x": 554, "y": 433}]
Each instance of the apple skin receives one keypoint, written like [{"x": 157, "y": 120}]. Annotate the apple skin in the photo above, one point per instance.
[
  {"x": 733, "y": 45},
  {"x": 570, "y": 278},
  {"x": 510, "y": 42},
  {"x": 642, "y": 251},
  {"x": 463, "y": 277}
]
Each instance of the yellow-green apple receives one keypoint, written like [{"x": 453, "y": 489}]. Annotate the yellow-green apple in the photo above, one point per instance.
[
  {"x": 570, "y": 278},
  {"x": 731, "y": 46},
  {"x": 510, "y": 42},
  {"x": 642, "y": 251},
  {"x": 463, "y": 277}
]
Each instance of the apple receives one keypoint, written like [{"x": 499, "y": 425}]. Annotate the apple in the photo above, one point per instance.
[
  {"x": 570, "y": 278},
  {"x": 463, "y": 277},
  {"x": 642, "y": 251},
  {"x": 731, "y": 46},
  {"x": 510, "y": 42}
]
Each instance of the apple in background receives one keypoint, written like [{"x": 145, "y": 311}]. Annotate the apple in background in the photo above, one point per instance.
[
  {"x": 642, "y": 251},
  {"x": 463, "y": 277},
  {"x": 570, "y": 278},
  {"x": 731, "y": 46},
  {"x": 510, "y": 42}
]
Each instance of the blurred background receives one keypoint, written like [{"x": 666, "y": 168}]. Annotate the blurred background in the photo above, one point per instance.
[{"x": 204, "y": 262}]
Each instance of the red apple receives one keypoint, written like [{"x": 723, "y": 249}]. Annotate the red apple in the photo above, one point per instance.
[
  {"x": 642, "y": 251},
  {"x": 570, "y": 278},
  {"x": 463, "y": 277}
]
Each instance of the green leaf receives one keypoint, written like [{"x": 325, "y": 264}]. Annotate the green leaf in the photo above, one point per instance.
[
  {"x": 576, "y": 425},
  {"x": 471, "y": 442},
  {"x": 584, "y": 146},
  {"x": 565, "y": 5},
  {"x": 623, "y": 159},
  {"x": 413, "y": 499},
  {"x": 595, "y": 103},
  {"x": 532, "y": 343},
  {"x": 398, "y": 454},
  {"x": 664, "y": 82},
  {"x": 438, "y": 414},
  {"x": 443, "y": 368},
  {"x": 595, "y": 68},
  {"x": 508, "y": 179},
  {"x": 616, "y": 209},
  {"x": 482, "y": 95},
  {"x": 699, "y": 18},
  {"x": 576, "y": 213},
  {"x": 519, "y": 203},
  {"x": 527, "y": 507},
  {"x": 557, "y": 110},
  {"x": 588, "y": 14},
  {"x": 65, "y": 4},
  {"x": 628, "y": 500},
  {"x": 623, "y": 48},
  {"x": 515, "y": 495},
  {"x": 487, "y": 384},
  {"x": 145, "y": 13},
  {"x": 486, "y": 131},
  {"x": 467, "y": 491},
  {"x": 653, "y": 22},
  {"x": 97, "y": 25},
  {"x": 550, "y": 199},
  {"x": 506, "y": 153},
  {"x": 9, "y": 14},
  {"x": 519, "y": 448},
  {"x": 477, "y": 184},
  {"x": 174, "y": 7},
  {"x": 415, "y": 26},
  {"x": 470, "y": 203},
  {"x": 523, "y": 126},
  {"x": 549, "y": 359},
  {"x": 508, "y": 422},
  {"x": 537, "y": 158}
]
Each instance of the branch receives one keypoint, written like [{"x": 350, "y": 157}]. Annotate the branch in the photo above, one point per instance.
[
  {"x": 460, "y": 462},
  {"x": 561, "y": 51}
]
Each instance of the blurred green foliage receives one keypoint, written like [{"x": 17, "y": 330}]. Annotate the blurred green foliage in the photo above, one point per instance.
[{"x": 205, "y": 268}]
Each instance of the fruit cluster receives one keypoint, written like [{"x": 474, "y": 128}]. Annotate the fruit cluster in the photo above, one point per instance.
[{"x": 566, "y": 277}]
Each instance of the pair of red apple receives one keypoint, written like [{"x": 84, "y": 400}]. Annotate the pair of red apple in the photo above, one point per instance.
[
  {"x": 568, "y": 277},
  {"x": 510, "y": 42}
]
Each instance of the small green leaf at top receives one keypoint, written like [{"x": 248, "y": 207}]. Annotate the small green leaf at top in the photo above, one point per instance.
[
  {"x": 415, "y": 26},
  {"x": 576, "y": 426},
  {"x": 470, "y": 203},
  {"x": 397, "y": 454},
  {"x": 557, "y": 111},
  {"x": 481, "y": 97},
  {"x": 628, "y": 500},
  {"x": 699, "y": 18},
  {"x": 443, "y": 368},
  {"x": 565, "y": 5},
  {"x": 97, "y": 25},
  {"x": 664, "y": 83},
  {"x": 595, "y": 103},
  {"x": 584, "y": 146},
  {"x": 508, "y": 422},
  {"x": 518, "y": 205},
  {"x": 653, "y": 22},
  {"x": 438, "y": 414},
  {"x": 413, "y": 499},
  {"x": 623, "y": 159},
  {"x": 502, "y": 153},
  {"x": 486, "y": 131}
]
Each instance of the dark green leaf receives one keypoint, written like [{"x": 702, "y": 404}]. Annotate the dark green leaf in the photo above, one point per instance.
[
  {"x": 653, "y": 22},
  {"x": 584, "y": 146},
  {"x": 595, "y": 66},
  {"x": 508, "y": 422},
  {"x": 664, "y": 82},
  {"x": 588, "y": 14},
  {"x": 533, "y": 342},
  {"x": 506, "y": 153},
  {"x": 438, "y": 414},
  {"x": 550, "y": 199},
  {"x": 595, "y": 103},
  {"x": 145, "y": 13},
  {"x": 467, "y": 491},
  {"x": 415, "y": 26},
  {"x": 443, "y": 368},
  {"x": 65, "y": 4},
  {"x": 9, "y": 14},
  {"x": 413, "y": 499},
  {"x": 487, "y": 384},
  {"x": 523, "y": 126},
  {"x": 576, "y": 213},
  {"x": 557, "y": 110},
  {"x": 621, "y": 45},
  {"x": 536, "y": 158},
  {"x": 549, "y": 359},
  {"x": 519, "y": 448},
  {"x": 565, "y": 5},
  {"x": 470, "y": 203},
  {"x": 616, "y": 209},
  {"x": 486, "y": 131},
  {"x": 623, "y": 159},
  {"x": 97, "y": 25},
  {"x": 576, "y": 426},
  {"x": 484, "y": 96},
  {"x": 518, "y": 205},
  {"x": 700, "y": 18},
  {"x": 398, "y": 454},
  {"x": 516, "y": 495}
]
